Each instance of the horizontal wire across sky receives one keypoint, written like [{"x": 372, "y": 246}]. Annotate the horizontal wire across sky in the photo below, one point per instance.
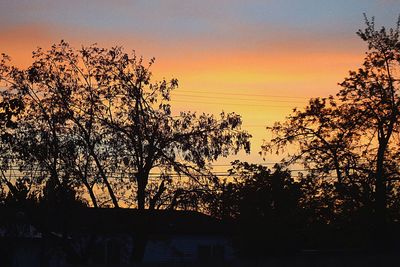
[{"x": 15, "y": 173}]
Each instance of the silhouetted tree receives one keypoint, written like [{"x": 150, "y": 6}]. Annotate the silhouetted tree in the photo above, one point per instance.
[
  {"x": 40, "y": 142},
  {"x": 372, "y": 94},
  {"x": 266, "y": 204},
  {"x": 93, "y": 112},
  {"x": 355, "y": 135},
  {"x": 89, "y": 156},
  {"x": 325, "y": 143},
  {"x": 149, "y": 137},
  {"x": 11, "y": 105},
  {"x": 322, "y": 135}
]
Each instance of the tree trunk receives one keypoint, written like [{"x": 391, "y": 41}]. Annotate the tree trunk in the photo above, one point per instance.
[
  {"x": 97, "y": 162},
  {"x": 141, "y": 194},
  {"x": 91, "y": 194},
  {"x": 105, "y": 180},
  {"x": 338, "y": 171},
  {"x": 142, "y": 178},
  {"x": 380, "y": 196},
  {"x": 157, "y": 195},
  {"x": 93, "y": 198},
  {"x": 380, "y": 189}
]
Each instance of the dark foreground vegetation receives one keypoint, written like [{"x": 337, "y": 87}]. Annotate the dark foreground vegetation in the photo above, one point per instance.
[{"x": 88, "y": 127}]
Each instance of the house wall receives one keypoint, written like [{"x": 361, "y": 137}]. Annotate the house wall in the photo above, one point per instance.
[
  {"x": 103, "y": 249},
  {"x": 188, "y": 248},
  {"x": 19, "y": 252}
]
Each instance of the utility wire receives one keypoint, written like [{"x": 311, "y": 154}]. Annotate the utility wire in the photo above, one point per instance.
[
  {"x": 230, "y": 104},
  {"x": 241, "y": 99},
  {"x": 242, "y": 94}
]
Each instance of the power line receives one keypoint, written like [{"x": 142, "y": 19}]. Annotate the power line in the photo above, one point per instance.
[
  {"x": 152, "y": 176},
  {"x": 241, "y": 94},
  {"x": 241, "y": 99},
  {"x": 232, "y": 104}
]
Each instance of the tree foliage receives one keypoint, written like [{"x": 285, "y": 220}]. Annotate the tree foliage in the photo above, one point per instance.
[
  {"x": 94, "y": 120},
  {"x": 354, "y": 136}
]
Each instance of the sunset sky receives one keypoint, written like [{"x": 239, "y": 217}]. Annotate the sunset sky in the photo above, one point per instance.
[{"x": 257, "y": 58}]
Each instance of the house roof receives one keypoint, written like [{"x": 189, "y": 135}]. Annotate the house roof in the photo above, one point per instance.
[{"x": 109, "y": 220}]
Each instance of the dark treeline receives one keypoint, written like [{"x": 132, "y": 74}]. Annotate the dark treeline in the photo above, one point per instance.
[{"x": 89, "y": 127}]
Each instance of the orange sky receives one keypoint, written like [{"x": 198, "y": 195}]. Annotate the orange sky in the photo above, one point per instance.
[
  {"x": 262, "y": 84},
  {"x": 257, "y": 58}
]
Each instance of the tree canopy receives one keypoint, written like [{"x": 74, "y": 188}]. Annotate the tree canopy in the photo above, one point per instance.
[
  {"x": 92, "y": 119},
  {"x": 353, "y": 136}
]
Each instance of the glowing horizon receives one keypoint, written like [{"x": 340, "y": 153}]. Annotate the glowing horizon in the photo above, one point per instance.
[{"x": 259, "y": 59}]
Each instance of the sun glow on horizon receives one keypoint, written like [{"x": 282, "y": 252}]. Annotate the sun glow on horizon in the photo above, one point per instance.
[{"x": 242, "y": 57}]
